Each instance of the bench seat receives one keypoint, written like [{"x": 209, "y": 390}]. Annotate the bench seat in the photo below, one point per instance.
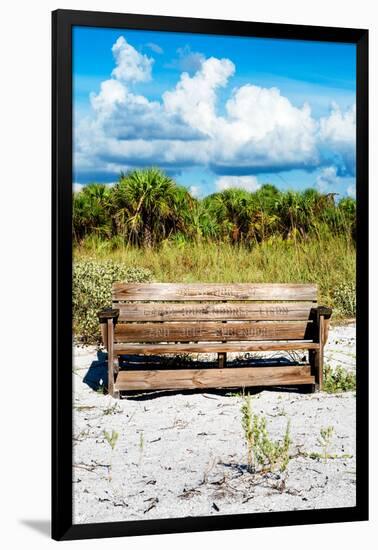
[{"x": 229, "y": 377}]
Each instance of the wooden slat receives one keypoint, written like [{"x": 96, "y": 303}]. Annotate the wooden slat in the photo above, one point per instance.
[
  {"x": 237, "y": 347},
  {"x": 211, "y": 312},
  {"x": 181, "y": 379},
  {"x": 213, "y": 291},
  {"x": 211, "y": 331}
]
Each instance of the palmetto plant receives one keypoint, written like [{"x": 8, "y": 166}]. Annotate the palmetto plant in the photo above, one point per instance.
[
  {"x": 91, "y": 211},
  {"x": 289, "y": 209},
  {"x": 231, "y": 210},
  {"x": 149, "y": 206}
]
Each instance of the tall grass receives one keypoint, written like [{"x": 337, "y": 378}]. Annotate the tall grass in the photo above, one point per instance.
[{"x": 329, "y": 262}]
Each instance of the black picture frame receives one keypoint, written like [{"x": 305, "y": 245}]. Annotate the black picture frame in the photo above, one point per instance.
[{"x": 62, "y": 23}]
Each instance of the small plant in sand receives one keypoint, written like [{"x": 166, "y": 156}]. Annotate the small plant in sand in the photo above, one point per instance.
[
  {"x": 338, "y": 380},
  {"x": 263, "y": 454},
  {"x": 113, "y": 409},
  {"x": 112, "y": 441},
  {"x": 324, "y": 440}
]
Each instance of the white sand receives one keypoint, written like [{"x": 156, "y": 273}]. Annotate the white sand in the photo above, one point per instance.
[{"x": 184, "y": 454}]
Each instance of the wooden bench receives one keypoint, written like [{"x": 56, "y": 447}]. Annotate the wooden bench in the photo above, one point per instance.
[{"x": 164, "y": 318}]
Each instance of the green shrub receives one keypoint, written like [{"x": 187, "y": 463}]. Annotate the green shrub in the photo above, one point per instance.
[
  {"x": 263, "y": 454},
  {"x": 92, "y": 283},
  {"x": 338, "y": 380},
  {"x": 344, "y": 296}
]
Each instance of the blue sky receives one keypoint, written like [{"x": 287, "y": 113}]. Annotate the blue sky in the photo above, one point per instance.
[{"x": 214, "y": 111}]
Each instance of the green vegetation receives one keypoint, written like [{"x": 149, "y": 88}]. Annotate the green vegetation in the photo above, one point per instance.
[
  {"x": 338, "y": 380},
  {"x": 324, "y": 440},
  {"x": 146, "y": 227},
  {"x": 111, "y": 439},
  {"x": 92, "y": 283},
  {"x": 113, "y": 409},
  {"x": 344, "y": 296},
  {"x": 320, "y": 456},
  {"x": 263, "y": 454},
  {"x": 328, "y": 262},
  {"x": 146, "y": 208}
]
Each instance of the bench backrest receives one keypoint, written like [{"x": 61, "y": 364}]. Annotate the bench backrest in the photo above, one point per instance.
[{"x": 165, "y": 312}]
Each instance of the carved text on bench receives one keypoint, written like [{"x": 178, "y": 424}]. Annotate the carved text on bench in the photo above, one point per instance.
[{"x": 232, "y": 311}]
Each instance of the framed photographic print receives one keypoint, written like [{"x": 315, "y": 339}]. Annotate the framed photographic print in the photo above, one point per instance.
[{"x": 210, "y": 191}]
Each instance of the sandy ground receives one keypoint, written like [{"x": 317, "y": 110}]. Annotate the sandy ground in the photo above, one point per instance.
[{"x": 183, "y": 454}]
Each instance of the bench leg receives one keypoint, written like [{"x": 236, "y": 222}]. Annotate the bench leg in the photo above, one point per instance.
[
  {"x": 316, "y": 363},
  {"x": 222, "y": 359},
  {"x": 115, "y": 393},
  {"x": 316, "y": 355},
  {"x": 111, "y": 368}
]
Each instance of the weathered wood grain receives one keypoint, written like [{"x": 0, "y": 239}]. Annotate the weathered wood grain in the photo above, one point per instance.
[
  {"x": 211, "y": 331},
  {"x": 326, "y": 324},
  {"x": 110, "y": 336},
  {"x": 212, "y": 291},
  {"x": 316, "y": 355},
  {"x": 222, "y": 360},
  {"x": 139, "y": 311},
  {"x": 165, "y": 318},
  {"x": 320, "y": 354},
  {"x": 181, "y": 379},
  {"x": 211, "y": 347},
  {"x": 104, "y": 333}
]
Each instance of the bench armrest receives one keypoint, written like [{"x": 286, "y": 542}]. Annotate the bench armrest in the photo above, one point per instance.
[
  {"x": 108, "y": 313},
  {"x": 324, "y": 312}
]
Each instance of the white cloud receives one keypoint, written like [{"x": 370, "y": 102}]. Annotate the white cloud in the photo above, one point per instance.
[
  {"x": 337, "y": 133},
  {"x": 258, "y": 129},
  {"x": 351, "y": 191},
  {"x": 132, "y": 66},
  {"x": 189, "y": 61},
  {"x": 249, "y": 183},
  {"x": 339, "y": 127},
  {"x": 77, "y": 187},
  {"x": 195, "y": 191},
  {"x": 327, "y": 178},
  {"x": 112, "y": 93},
  {"x": 155, "y": 47},
  {"x": 263, "y": 129},
  {"x": 193, "y": 99}
]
